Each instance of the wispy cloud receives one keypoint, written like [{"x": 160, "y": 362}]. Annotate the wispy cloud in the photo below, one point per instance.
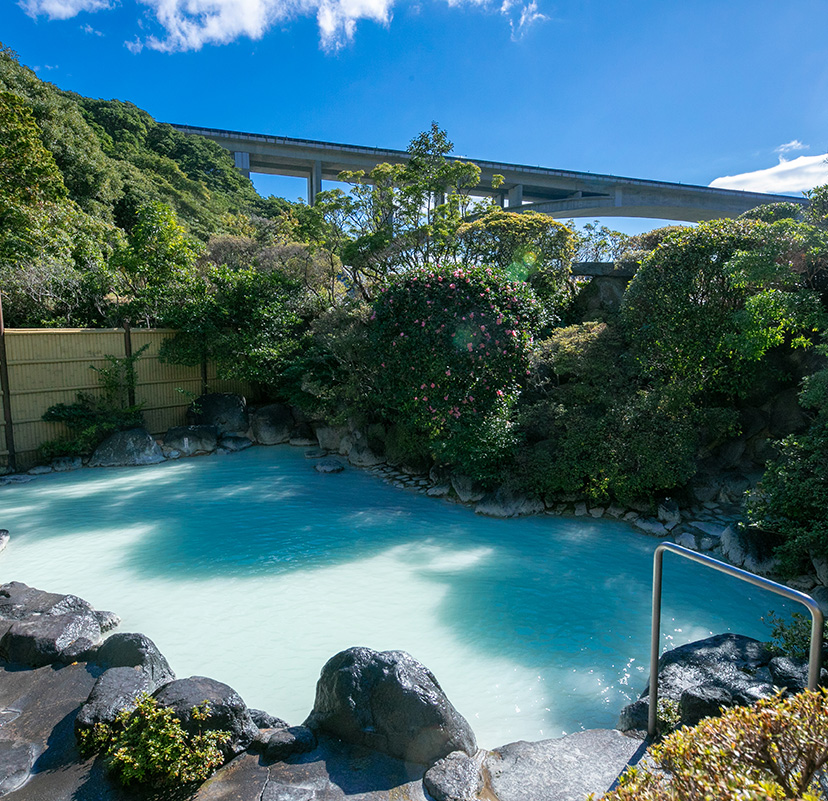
[
  {"x": 89, "y": 29},
  {"x": 45, "y": 67},
  {"x": 786, "y": 178},
  {"x": 529, "y": 16},
  {"x": 192, "y": 24},
  {"x": 789, "y": 147},
  {"x": 62, "y": 9}
]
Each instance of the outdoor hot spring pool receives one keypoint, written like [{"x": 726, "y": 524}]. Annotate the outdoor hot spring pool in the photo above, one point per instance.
[{"x": 254, "y": 569}]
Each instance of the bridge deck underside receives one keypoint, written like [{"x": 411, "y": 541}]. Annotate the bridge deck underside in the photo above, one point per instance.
[{"x": 558, "y": 193}]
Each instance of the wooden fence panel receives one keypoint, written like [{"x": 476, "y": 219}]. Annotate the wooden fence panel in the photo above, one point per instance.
[{"x": 49, "y": 366}]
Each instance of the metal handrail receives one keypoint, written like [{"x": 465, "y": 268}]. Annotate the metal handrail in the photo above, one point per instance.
[{"x": 817, "y": 618}]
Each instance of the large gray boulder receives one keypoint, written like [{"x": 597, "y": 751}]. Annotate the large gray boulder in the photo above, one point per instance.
[
  {"x": 704, "y": 701},
  {"x": 226, "y": 710},
  {"x": 330, "y": 437},
  {"x": 133, "y": 650},
  {"x": 116, "y": 689},
  {"x": 191, "y": 440},
  {"x": 133, "y": 447},
  {"x": 19, "y": 601},
  {"x": 361, "y": 455},
  {"x": 729, "y": 662},
  {"x": 390, "y": 702},
  {"x": 466, "y": 489},
  {"x": 45, "y": 640},
  {"x": 272, "y": 424},
  {"x": 40, "y": 628},
  {"x": 224, "y": 410}
]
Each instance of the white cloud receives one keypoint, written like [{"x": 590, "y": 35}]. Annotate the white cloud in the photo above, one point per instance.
[
  {"x": 62, "y": 9},
  {"x": 786, "y": 178},
  {"x": 192, "y": 24},
  {"x": 794, "y": 144},
  {"x": 529, "y": 15},
  {"x": 89, "y": 29}
]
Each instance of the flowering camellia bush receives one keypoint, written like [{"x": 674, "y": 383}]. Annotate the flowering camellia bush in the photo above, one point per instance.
[{"x": 452, "y": 349}]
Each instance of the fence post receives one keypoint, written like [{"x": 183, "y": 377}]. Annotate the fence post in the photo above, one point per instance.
[
  {"x": 128, "y": 354},
  {"x": 4, "y": 386}
]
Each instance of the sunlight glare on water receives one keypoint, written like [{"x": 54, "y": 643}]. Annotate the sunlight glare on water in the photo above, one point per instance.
[{"x": 254, "y": 569}]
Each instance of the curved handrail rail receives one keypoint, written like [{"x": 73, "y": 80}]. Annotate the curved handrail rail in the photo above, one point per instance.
[{"x": 817, "y": 618}]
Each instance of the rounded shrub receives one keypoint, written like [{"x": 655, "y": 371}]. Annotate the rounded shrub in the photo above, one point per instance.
[
  {"x": 776, "y": 749},
  {"x": 451, "y": 349},
  {"x": 710, "y": 301}
]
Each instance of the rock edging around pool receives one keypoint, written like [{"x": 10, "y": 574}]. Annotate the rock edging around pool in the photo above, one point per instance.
[
  {"x": 223, "y": 423},
  {"x": 381, "y": 727}
]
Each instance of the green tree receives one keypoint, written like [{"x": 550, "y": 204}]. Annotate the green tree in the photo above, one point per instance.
[
  {"x": 157, "y": 255},
  {"x": 245, "y": 321},
  {"x": 400, "y": 217},
  {"x": 710, "y": 301},
  {"x": 527, "y": 247}
]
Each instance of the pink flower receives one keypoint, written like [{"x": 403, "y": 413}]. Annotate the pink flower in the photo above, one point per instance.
[{"x": 448, "y": 372}]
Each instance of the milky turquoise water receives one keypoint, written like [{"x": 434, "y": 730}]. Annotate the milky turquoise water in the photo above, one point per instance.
[{"x": 254, "y": 569}]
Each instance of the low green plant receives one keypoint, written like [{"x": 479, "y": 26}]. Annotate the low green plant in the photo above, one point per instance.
[
  {"x": 777, "y": 749},
  {"x": 94, "y": 740},
  {"x": 668, "y": 715},
  {"x": 92, "y": 418},
  {"x": 147, "y": 745}
]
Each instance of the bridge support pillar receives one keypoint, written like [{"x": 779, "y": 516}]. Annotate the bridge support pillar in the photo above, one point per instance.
[
  {"x": 516, "y": 196},
  {"x": 314, "y": 182},
  {"x": 242, "y": 161}
]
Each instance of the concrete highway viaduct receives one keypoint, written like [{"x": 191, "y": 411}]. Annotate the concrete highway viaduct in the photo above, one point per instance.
[{"x": 559, "y": 193}]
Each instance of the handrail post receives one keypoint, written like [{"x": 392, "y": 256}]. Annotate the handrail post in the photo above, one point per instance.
[
  {"x": 655, "y": 640},
  {"x": 817, "y": 617}
]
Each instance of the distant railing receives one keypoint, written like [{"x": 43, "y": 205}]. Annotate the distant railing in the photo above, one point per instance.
[{"x": 817, "y": 618}]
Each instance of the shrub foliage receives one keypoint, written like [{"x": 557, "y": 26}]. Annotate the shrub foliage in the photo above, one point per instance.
[
  {"x": 776, "y": 749},
  {"x": 147, "y": 745},
  {"x": 451, "y": 350}
]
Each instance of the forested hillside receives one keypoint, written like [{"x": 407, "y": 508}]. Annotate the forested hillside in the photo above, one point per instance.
[{"x": 79, "y": 177}]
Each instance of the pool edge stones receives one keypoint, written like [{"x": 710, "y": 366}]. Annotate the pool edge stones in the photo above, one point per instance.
[{"x": 390, "y": 702}]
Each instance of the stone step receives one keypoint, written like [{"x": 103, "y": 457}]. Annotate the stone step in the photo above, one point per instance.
[{"x": 565, "y": 769}]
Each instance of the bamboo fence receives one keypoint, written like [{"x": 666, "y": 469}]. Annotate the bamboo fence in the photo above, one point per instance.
[{"x": 40, "y": 367}]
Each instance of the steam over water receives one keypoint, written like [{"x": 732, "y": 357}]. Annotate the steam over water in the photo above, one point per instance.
[{"x": 254, "y": 569}]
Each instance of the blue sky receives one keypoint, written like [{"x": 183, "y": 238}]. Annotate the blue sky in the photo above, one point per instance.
[{"x": 732, "y": 92}]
